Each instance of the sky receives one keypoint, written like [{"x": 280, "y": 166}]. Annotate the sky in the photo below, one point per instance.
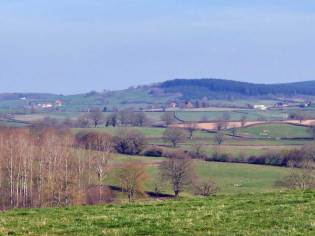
[{"x": 74, "y": 46}]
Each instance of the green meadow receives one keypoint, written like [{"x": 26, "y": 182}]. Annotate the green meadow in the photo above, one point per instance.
[{"x": 287, "y": 213}]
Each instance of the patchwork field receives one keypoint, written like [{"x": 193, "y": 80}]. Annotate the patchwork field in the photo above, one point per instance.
[{"x": 255, "y": 144}]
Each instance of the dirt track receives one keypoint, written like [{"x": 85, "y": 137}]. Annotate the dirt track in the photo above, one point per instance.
[{"x": 238, "y": 124}]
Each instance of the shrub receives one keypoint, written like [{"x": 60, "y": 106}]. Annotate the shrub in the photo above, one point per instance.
[
  {"x": 206, "y": 188},
  {"x": 130, "y": 142},
  {"x": 153, "y": 152},
  {"x": 95, "y": 141},
  {"x": 95, "y": 195}
]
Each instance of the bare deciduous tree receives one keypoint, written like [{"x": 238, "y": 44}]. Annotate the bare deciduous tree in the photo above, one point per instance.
[
  {"x": 191, "y": 128},
  {"x": 132, "y": 176},
  {"x": 83, "y": 121},
  {"x": 168, "y": 118},
  {"x": 311, "y": 131},
  {"x": 112, "y": 119},
  {"x": 174, "y": 136},
  {"x": 219, "y": 137},
  {"x": 234, "y": 131},
  {"x": 243, "y": 121},
  {"x": 178, "y": 171},
  {"x": 96, "y": 117}
]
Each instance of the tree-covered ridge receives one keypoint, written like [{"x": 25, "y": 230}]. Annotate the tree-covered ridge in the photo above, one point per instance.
[{"x": 198, "y": 88}]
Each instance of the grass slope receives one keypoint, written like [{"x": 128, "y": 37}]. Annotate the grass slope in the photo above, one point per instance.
[
  {"x": 259, "y": 214},
  {"x": 232, "y": 178}
]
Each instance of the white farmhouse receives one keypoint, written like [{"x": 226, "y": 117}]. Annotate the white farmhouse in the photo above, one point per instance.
[{"x": 260, "y": 107}]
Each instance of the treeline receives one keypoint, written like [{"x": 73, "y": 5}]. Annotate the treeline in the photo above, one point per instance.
[
  {"x": 95, "y": 118},
  {"x": 199, "y": 88},
  {"x": 282, "y": 158}
]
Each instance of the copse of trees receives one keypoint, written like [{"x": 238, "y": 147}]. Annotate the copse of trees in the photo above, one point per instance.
[
  {"x": 53, "y": 123},
  {"x": 127, "y": 117},
  {"x": 42, "y": 169},
  {"x": 95, "y": 141}
]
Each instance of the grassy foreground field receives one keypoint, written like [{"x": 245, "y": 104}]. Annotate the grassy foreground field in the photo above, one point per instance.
[{"x": 260, "y": 214}]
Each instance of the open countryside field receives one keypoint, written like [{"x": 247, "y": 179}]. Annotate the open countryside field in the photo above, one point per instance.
[
  {"x": 275, "y": 131},
  {"x": 237, "y": 124},
  {"x": 290, "y": 213},
  {"x": 232, "y": 178},
  {"x": 215, "y": 114}
]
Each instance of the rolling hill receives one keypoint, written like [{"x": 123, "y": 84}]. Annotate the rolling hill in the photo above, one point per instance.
[{"x": 219, "y": 92}]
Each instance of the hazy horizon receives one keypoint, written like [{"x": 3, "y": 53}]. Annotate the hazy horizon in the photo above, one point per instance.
[{"x": 68, "y": 47}]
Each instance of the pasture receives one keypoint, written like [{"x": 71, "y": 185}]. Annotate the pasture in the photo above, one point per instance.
[
  {"x": 231, "y": 177},
  {"x": 288, "y": 213}
]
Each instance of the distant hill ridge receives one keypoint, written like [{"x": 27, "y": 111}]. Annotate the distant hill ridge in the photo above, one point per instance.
[{"x": 197, "y": 88}]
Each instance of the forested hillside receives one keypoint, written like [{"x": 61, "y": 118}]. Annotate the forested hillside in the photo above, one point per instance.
[{"x": 198, "y": 88}]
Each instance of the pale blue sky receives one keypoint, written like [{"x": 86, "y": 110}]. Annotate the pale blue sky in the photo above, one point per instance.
[{"x": 70, "y": 46}]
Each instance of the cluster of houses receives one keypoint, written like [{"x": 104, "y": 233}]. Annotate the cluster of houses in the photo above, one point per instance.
[{"x": 45, "y": 105}]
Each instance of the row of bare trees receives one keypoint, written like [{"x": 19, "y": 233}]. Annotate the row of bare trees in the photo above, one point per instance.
[{"x": 125, "y": 117}]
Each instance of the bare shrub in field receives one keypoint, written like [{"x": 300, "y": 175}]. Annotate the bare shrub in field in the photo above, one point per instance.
[
  {"x": 132, "y": 176},
  {"x": 205, "y": 188},
  {"x": 96, "y": 195},
  {"x": 301, "y": 178},
  {"x": 302, "y": 174},
  {"x": 198, "y": 152},
  {"x": 177, "y": 170}
]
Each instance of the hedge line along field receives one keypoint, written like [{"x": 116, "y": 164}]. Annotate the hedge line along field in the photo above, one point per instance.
[
  {"x": 288, "y": 213},
  {"x": 231, "y": 145}
]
